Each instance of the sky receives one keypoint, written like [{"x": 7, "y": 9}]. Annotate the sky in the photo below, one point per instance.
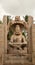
[{"x": 17, "y": 7}]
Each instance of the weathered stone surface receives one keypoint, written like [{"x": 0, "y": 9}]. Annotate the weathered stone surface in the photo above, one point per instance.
[{"x": 17, "y": 36}]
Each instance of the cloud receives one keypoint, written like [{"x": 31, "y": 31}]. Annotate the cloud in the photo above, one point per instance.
[
  {"x": 2, "y": 12},
  {"x": 18, "y": 7}
]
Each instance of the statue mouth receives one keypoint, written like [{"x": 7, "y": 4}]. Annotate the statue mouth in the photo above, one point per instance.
[{"x": 17, "y": 33}]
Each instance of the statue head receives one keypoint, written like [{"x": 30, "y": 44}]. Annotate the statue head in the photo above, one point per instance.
[{"x": 17, "y": 30}]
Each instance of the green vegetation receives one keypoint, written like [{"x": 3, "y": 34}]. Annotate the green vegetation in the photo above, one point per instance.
[
  {"x": 0, "y": 22},
  {"x": 8, "y": 18},
  {"x": 23, "y": 33},
  {"x": 26, "y": 18},
  {"x": 9, "y": 34}
]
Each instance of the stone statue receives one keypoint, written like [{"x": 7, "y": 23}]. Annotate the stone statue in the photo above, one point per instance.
[
  {"x": 17, "y": 40},
  {"x": 17, "y": 36}
]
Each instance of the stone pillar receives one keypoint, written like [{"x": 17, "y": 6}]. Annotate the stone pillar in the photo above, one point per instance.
[
  {"x": 30, "y": 20},
  {"x": 5, "y": 38},
  {"x": 1, "y": 43},
  {"x": 33, "y": 42},
  {"x": 5, "y": 33}
]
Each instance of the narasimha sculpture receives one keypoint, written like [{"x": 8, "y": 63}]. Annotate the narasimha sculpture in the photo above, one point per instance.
[{"x": 17, "y": 43}]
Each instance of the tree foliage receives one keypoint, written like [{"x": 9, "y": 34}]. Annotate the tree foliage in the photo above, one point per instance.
[
  {"x": 26, "y": 18},
  {"x": 0, "y": 22}
]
